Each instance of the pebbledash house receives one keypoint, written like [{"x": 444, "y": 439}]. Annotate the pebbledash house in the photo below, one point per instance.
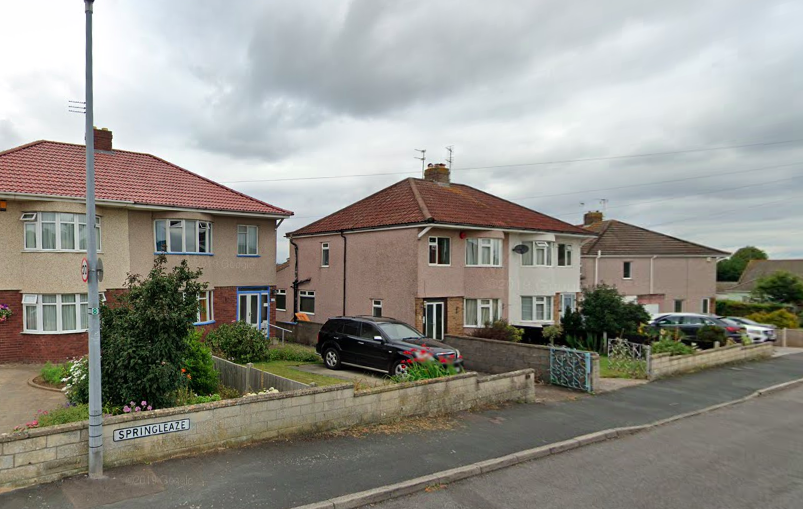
[
  {"x": 145, "y": 206},
  {"x": 442, "y": 256}
]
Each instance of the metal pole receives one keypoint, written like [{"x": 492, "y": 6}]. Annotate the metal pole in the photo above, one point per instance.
[{"x": 95, "y": 404}]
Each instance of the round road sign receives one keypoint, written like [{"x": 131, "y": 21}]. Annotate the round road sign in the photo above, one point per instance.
[{"x": 85, "y": 270}]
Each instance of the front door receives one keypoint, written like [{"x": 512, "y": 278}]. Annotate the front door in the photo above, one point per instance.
[
  {"x": 253, "y": 308},
  {"x": 434, "y": 320}
]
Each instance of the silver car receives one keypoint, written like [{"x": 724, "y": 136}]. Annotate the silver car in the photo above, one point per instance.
[{"x": 758, "y": 332}]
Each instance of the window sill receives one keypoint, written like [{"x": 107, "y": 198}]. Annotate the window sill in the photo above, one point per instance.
[
  {"x": 208, "y": 322},
  {"x": 248, "y": 256},
  {"x": 182, "y": 254},
  {"x": 277, "y": 309},
  {"x": 627, "y": 278},
  {"x": 76, "y": 251},
  {"x": 445, "y": 265},
  {"x": 52, "y": 333},
  {"x": 485, "y": 266}
]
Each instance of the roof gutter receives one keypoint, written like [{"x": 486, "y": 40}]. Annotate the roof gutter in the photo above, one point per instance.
[{"x": 449, "y": 226}]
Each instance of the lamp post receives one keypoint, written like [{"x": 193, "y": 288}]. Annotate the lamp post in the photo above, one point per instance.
[{"x": 95, "y": 405}]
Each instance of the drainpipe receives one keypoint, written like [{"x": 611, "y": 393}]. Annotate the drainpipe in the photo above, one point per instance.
[
  {"x": 345, "y": 245},
  {"x": 596, "y": 268},
  {"x": 295, "y": 279}
]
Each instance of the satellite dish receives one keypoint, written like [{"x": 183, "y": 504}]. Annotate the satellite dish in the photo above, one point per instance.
[{"x": 521, "y": 249}]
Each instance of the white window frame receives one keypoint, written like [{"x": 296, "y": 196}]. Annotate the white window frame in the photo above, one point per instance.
[
  {"x": 325, "y": 254},
  {"x": 306, "y": 294},
  {"x": 548, "y": 303},
  {"x": 537, "y": 246},
  {"x": 277, "y": 293},
  {"x": 199, "y": 225},
  {"x": 563, "y": 298},
  {"x": 208, "y": 297},
  {"x": 568, "y": 255},
  {"x": 627, "y": 270},
  {"x": 81, "y": 304},
  {"x": 35, "y": 219},
  {"x": 247, "y": 229},
  {"x": 434, "y": 242},
  {"x": 494, "y": 247},
  {"x": 376, "y": 304},
  {"x": 493, "y": 305},
  {"x": 705, "y": 305}
]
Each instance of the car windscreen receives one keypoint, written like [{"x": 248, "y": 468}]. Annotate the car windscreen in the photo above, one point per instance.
[{"x": 397, "y": 331}]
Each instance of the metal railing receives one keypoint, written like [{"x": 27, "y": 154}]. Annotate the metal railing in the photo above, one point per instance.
[{"x": 266, "y": 330}]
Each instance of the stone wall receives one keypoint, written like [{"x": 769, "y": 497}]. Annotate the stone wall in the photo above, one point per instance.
[
  {"x": 55, "y": 452},
  {"x": 664, "y": 364},
  {"x": 493, "y": 356},
  {"x": 304, "y": 333},
  {"x": 250, "y": 379}
]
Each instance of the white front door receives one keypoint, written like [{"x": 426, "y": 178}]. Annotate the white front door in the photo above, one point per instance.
[
  {"x": 434, "y": 320},
  {"x": 248, "y": 309}
]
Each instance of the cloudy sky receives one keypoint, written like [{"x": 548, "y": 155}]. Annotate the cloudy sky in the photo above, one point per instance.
[{"x": 311, "y": 105}]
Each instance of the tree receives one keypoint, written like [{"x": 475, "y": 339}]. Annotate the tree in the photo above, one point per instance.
[
  {"x": 605, "y": 310},
  {"x": 732, "y": 268},
  {"x": 144, "y": 337},
  {"x": 781, "y": 287}
]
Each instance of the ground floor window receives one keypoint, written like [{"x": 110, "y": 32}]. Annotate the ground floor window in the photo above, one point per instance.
[
  {"x": 376, "y": 308},
  {"x": 281, "y": 300},
  {"x": 537, "y": 308},
  {"x": 479, "y": 312},
  {"x": 306, "y": 302},
  {"x": 205, "y": 308},
  {"x": 678, "y": 305},
  {"x": 568, "y": 303},
  {"x": 56, "y": 313},
  {"x": 706, "y": 306}
]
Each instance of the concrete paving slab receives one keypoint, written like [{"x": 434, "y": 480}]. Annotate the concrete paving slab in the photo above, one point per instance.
[{"x": 19, "y": 400}]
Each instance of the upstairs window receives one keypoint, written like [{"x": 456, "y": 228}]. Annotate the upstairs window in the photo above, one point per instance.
[
  {"x": 482, "y": 252},
  {"x": 564, "y": 255},
  {"x": 539, "y": 254},
  {"x": 440, "y": 251},
  {"x": 247, "y": 236},
  {"x": 324, "y": 254},
  {"x": 627, "y": 270},
  {"x": 56, "y": 231},
  {"x": 183, "y": 236}
]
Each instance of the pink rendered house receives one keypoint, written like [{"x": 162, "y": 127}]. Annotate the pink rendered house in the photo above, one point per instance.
[{"x": 444, "y": 257}]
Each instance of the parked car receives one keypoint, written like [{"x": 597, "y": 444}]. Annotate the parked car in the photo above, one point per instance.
[
  {"x": 690, "y": 323},
  {"x": 379, "y": 344},
  {"x": 758, "y": 332}
]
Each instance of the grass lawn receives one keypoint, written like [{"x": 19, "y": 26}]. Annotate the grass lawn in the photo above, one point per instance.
[
  {"x": 287, "y": 369},
  {"x": 605, "y": 370}
]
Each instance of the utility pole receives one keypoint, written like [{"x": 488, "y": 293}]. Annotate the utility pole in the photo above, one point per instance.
[
  {"x": 423, "y": 159},
  {"x": 450, "y": 157},
  {"x": 95, "y": 404}
]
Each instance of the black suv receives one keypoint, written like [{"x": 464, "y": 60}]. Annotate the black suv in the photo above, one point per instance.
[{"x": 378, "y": 344}]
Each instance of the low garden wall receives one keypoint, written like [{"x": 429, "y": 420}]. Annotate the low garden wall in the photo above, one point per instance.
[
  {"x": 494, "y": 356},
  {"x": 791, "y": 337},
  {"x": 250, "y": 379},
  {"x": 664, "y": 364},
  {"x": 51, "y": 453},
  {"x": 304, "y": 333}
]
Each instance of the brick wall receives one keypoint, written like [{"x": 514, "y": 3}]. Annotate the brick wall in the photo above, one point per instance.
[
  {"x": 48, "y": 454},
  {"x": 454, "y": 315},
  {"x": 663, "y": 364}
]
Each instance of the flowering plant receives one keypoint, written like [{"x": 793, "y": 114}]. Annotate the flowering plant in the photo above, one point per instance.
[
  {"x": 133, "y": 407},
  {"x": 5, "y": 312}
]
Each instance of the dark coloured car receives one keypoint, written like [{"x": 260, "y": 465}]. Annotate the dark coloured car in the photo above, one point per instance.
[
  {"x": 690, "y": 323},
  {"x": 379, "y": 344}
]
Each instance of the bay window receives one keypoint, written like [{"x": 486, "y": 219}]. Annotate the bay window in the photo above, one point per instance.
[
  {"x": 56, "y": 313},
  {"x": 479, "y": 312},
  {"x": 482, "y": 252},
  {"x": 247, "y": 240},
  {"x": 183, "y": 236},
  {"x": 536, "y": 308},
  {"x": 56, "y": 231}
]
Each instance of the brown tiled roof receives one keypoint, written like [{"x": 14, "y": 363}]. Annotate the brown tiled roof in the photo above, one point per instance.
[
  {"x": 415, "y": 201},
  {"x": 618, "y": 238},
  {"x": 757, "y": 269}
]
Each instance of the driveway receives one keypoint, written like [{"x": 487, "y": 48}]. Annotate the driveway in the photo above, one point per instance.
[{"x": 20, "y": 401}]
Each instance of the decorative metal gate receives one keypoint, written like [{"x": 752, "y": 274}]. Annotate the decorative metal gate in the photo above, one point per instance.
[
  {"x": 570, "y": 368},
  {"x": 629, "y": 358}
]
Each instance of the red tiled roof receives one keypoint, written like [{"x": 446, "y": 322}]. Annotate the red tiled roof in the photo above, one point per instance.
[
  {"x": 414, "y": 201},
  {"x": 59, "y": 169},
  {"x": 618, "y": 238}
]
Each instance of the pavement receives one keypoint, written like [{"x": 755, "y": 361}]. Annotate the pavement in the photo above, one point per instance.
[
  {"x": 740, "y": 457},
  {"x": 18, "y": 400},
  {"x": 284, "y": 474}
]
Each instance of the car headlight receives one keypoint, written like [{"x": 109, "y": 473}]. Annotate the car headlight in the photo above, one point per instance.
[{"x": 457, "y": 353}]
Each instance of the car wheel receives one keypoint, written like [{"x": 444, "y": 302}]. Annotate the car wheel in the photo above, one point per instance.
[
  {"x": 399, "y": 369},
  {"x": 331, "y": 358}
]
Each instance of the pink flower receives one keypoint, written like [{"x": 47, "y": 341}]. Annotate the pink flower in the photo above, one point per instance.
[
  {"x": 150, "y": 407},
  {"x": 137, "y": 409},
  {"x": 133, "y": 404},
  {"x": 126, "y": 409},
  {"x": 143, "y": 403}
]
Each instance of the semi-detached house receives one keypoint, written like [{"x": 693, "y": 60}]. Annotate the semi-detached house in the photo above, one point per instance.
[
  {"x": 145, "y": 206},
  {"x": 443, "y": 256}
]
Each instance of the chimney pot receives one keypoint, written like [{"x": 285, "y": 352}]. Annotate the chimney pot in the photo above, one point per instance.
[
  {"x": 103, "y": 139},
  {"x": 437, "y": 173},
  {"x": 592, "y": 217}
]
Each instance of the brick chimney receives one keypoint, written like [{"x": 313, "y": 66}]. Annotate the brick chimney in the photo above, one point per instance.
[
  {"x": 592, "y": 217},
  {"x": 437, "y": 173},
  {"x": 103, "y": 139}
]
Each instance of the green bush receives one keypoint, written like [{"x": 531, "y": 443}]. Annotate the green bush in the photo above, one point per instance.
[
  {"x": 711, "y": 334},
  {"x": 553, "y": 333},
  {"x": 604, "y": 310},
  {"x": 144, "y": 335},
  {"x": 738, "y": 308},
  {"x": 204, "y": 399},
  {"x": 54, "y": 373},
  {"x": 78, "y": 381},
  {"x": 781, "y": 318},
  {"x": 63, "y": 415},
  {"x": 668, "y": 345},
  {"x": 424, "y": 370},
  {"x": 203, "y": 378},
  {"x": 499, "y": 330},
  {"x": 228, "y": 392},
  {"x": 572, "y": 323},
  {"x": 238, "y": 342},
  {"x": 291, "y": 352},
  {"x": 591, "y": 343}
]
